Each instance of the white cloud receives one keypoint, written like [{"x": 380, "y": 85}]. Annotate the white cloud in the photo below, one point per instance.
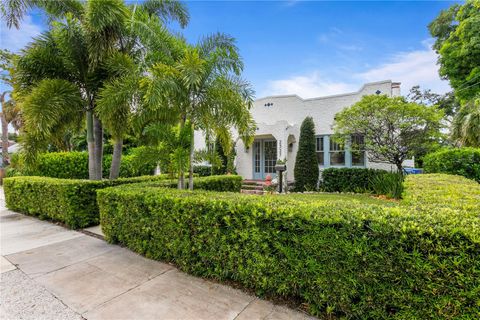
[
  {"x": 15, "y": 39},
  {"x": 410, "y": 68},
  {"x": 307, "y": 86}
]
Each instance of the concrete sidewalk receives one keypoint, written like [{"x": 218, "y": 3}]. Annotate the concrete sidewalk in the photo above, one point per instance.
[{"x": 49, "y": 272}]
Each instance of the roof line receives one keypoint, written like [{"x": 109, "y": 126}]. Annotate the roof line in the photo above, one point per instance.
[{"x": 330, "y": 96}]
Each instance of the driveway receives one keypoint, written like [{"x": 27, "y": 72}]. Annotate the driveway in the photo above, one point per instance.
[{"x": 49, "y": 272}]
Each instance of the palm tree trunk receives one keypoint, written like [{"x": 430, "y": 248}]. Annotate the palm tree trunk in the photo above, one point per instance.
[
  {"x": 4, "y": 140},
  {"x": 91, "y": 147},
  {"x": 98, "y": 134},
  {"x": 192, "y": 150},
  {"x": 181, "y": 174},
  {"x": 116, "y": 158}
]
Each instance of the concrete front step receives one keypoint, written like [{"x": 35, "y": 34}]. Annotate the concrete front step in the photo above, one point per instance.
[
  {"x": 258, "y": 192},
  {"x": 252, "y": 187},
  {"x": 253, "y": 182}
]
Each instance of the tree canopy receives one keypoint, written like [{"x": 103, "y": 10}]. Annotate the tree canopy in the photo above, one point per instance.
[
  {"x": 393, "y": 128},
  {"x": 456, "y": 31}
]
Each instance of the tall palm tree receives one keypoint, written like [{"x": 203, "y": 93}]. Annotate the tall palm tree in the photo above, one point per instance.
[
  {"x": 466, "y": 124},
  {"x": 145, "y": 40},
  {"x": 203, "y": 89},
  {"x": 66, "y": 67},
  {"x": 10, "y": 112}
]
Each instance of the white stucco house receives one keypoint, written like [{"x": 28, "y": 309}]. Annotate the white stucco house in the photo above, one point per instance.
[{"x": 278, "y": 120}]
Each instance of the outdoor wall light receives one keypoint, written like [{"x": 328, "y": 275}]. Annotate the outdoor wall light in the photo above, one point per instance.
[{"x": 378, "y": 92}]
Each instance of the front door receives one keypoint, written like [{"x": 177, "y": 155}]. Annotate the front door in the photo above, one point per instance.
[{"x": 264, "y": 158}]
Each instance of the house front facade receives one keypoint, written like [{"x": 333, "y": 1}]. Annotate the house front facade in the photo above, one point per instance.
[{"x": 278, "y": 120}]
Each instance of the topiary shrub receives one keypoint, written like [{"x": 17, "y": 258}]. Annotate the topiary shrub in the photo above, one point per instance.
[
  {"x": 418, "y": 260},
  {"x": 306, "y": 170},
  {"x": 460, "y": 161}
]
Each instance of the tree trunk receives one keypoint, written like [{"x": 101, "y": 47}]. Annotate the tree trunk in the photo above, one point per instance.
[
  {"x": 192, "y": 150},
  {"x": 4, "y": 140},
  {"x": 91, "y": 147},
  {"x": 98, "y": 134},
  {"x": 181, "y": 175},
  {"x": 399, "y": 167},
  {"x": 116, "y": 159}
]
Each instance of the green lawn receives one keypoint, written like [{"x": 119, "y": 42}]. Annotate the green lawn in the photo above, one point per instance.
[{"x": 343, "y": 197}]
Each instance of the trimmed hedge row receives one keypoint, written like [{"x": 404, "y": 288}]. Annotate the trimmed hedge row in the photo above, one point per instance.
[
  {"x": 416, "y": 261},
  {"x": 73, "y": 201},
  {"x": 357, "y": 180},
  {"x": 74, "y": 165},
  {"x": 460, "y": 161}
]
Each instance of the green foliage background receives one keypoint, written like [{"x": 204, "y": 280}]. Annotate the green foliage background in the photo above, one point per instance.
[{"x": 460, "y": 161}]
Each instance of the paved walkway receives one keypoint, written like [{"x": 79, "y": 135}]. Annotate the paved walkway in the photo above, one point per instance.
[{"x": 49, "y": 272}]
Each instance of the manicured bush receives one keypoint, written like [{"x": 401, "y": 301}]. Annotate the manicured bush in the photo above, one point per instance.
[
  {"x": 222, "y": 183},
  {"x": 202, "y": 171},
  {"x": 71, "y": 201},
  {"x": 460, "y": 161},
  {"x": 306, "y": 164},
  {"x": 414, "y": 261},
  {"x": 349, "y": 179},
  {"x": 74, "y": 165}
]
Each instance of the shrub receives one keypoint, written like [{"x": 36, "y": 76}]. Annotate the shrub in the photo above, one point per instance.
[
  {"x": 343, "y": 261},
  {"x": 306, "y": 164},
  {"x": 222, "y": 183},
  {"x": 349, "y": 179},
  {"x": 388, "y": 183},
  {"x": 74, "y": 165},
  {"x": 71, "y": 201},
  {"x": 202, "y": 171},
  {"x": 461, "y": 161}
]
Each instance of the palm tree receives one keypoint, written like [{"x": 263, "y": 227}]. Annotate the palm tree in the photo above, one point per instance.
[
  {"x": 10, "y": 112},
  {"x": 466, "y": 124},
  {"x": 144, "y": 41},
  {"x": 65, "y": 68},
  {"x": 203, "y": 89}
]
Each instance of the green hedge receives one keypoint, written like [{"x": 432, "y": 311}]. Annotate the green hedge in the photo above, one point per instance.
[
  {"x": 349, "y": 179},
  {"x": 355, "y": 262},
  {"x": 202, "y": 171},
  {"x": 73, "y": 201},
  {"x": 74, "y": 165},
  {"x": 460, "y": 161}
]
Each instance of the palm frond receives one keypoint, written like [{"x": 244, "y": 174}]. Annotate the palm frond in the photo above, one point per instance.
[{"x": 167, "y": 10}]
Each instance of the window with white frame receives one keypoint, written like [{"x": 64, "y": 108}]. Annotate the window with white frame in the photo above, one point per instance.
[
  {"x": 357, "y": 146},
  {"x": 320, "y": 151},
  {"x": 337, "y": 153}
]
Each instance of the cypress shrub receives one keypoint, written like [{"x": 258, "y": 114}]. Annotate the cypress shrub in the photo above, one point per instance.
[{"x": 306, "y": 164}]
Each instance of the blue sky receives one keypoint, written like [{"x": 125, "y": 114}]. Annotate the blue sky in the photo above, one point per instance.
[{"x": 311, "y": 48}]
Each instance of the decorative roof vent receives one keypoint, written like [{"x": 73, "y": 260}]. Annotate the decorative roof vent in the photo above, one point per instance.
[
  {"x": 378, "y": 92},
  {"x": 269, "y": 104}
]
